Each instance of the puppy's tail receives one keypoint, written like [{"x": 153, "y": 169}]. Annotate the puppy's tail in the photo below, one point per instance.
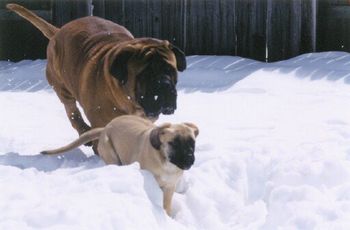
[
  {"x": 86, "y": 137},
  {"x": 46, "y": 28}
]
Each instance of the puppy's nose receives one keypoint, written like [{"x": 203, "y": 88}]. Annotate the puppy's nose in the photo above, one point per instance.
[{"x": 188, "y": 161}]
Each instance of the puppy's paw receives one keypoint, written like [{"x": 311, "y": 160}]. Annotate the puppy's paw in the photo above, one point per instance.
[{"x": 183, "y": 185}]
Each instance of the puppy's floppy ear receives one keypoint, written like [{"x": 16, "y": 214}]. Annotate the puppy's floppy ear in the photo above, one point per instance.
[
  {"x": 181, "y": 64},
  {"x": 119, "y": 67},
  {"x": 155, "y": 135},
  {"x": 193, "y": 127}
]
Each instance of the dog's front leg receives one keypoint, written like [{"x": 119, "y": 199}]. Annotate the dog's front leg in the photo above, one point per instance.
[
  {"x": 66, "y": 97},
  {"x": 168, "y": 193},
  {"x": 72, "y": 110},
  {"x": 76, "y": 118}
]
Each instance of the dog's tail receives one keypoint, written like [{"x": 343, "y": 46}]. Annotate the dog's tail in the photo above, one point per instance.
[
  {"x": 86, "y": 137},
  {"x": 46, "y": 28}
]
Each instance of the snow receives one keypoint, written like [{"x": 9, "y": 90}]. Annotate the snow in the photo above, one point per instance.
[{"x": 273, "y": 152}]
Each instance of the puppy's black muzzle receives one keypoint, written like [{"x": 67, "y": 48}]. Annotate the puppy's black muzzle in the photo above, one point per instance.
[
  {"x": 187, "y": 163},
  {"x": 184, "y": 162}
]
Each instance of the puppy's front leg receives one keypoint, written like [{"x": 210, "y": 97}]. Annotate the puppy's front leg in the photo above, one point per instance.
[{"x": 168, "y": 193}]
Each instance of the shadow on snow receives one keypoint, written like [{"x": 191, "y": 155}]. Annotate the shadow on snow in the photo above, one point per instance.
[{"x": 71, "y": 159}]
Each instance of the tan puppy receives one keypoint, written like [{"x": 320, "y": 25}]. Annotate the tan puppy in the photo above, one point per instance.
[
  {"x": 109, "y": 72},
  {"x": 164, "y": 150}
]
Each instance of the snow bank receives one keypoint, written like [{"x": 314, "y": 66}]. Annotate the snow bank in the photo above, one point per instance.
[{"x": 273, "y": 152}]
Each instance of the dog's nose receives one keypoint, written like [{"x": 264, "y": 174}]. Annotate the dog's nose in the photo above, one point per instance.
[{"x": 168, "y": 110}]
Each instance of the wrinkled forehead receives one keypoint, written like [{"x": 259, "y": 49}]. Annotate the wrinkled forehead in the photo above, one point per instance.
[
  {"x": 156, "y": 51},
  {"x": 180, "y": 130}
]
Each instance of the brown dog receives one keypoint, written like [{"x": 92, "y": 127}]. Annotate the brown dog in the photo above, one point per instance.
[
  {"x": 109, "y": 72},
  {"x": 165, "y": 151}
]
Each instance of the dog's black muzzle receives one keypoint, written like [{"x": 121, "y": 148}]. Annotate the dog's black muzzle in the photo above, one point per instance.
[
  {"x": 168, "y": 96},
  {"x": 160, "y": 98}
]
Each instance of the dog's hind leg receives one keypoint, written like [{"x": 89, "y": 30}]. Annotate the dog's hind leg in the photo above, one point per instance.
[{"x": 107, "y": 151}]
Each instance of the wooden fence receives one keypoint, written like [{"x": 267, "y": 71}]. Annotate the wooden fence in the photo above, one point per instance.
[
  {"x": 266, "y": 30},
  {"x": 259, "y": 29}
]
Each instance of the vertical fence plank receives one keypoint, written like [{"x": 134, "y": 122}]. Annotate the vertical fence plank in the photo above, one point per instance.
[
  {"x": 147, "y": 18},
  {"x": 136, "y": 17},
  {"x": 322, "y": 16},
  {"x": 251, "y": 28},
  {"x": 308, "y": 26},
  {"x": 171, "y": 21},
  {"x": 284, "y": 28},
  {"x": 195, "y": 34},
  {"x": 205, "y": 22},
  {"x": 66, "y": 10},
  {"x": 226, "y": 33},
  {"x": 333, "y": 25},
  {"x": 99, "y": 8}
]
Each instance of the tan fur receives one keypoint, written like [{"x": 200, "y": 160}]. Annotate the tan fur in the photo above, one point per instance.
[
  {"x": 126, "y": 139},
  {"x": 79, "y": 58},
  {"x": 83, "y": 139}
]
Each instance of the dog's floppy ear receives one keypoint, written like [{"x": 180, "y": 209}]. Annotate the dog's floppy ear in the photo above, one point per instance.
[
  {"x": 193, "y": 127},
  {"x": 181, "y": 64},
  {"x": 155, "y": 135},
  {"x": 119, "y": 67}
]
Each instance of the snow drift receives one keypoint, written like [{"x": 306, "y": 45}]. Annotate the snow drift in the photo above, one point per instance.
[{"x": 273, "y": 152}]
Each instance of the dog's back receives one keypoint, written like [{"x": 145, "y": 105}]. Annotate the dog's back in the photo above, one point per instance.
[
  {"x": 86, "y": 39},
  {"x": 124, "y": 139}
]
